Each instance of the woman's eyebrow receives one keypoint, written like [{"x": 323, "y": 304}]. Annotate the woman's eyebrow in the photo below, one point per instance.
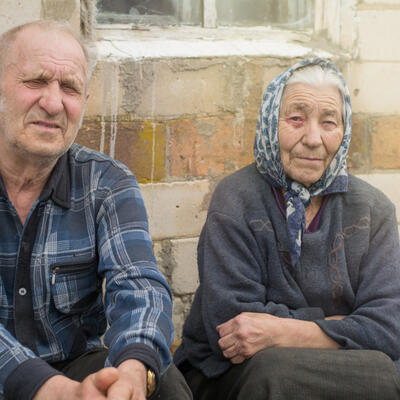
[{"x": 296, "y": 107}]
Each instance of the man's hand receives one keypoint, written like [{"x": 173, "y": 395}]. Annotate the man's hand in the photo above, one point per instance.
[
  {"x": 94, "y": 387},
  {"x": 248, "y": 333},
  {"x": 131, "y": 382}
]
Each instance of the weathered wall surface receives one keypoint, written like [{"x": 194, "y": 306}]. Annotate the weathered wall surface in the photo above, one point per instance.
[{"x": 180, "y": 109}]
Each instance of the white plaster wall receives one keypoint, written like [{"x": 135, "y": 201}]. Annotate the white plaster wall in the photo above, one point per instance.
[{"x": 17, "y": 12}]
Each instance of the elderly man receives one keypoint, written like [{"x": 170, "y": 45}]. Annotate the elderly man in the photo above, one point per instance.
[
  {"x": 70, "y": 218},
  {"x": 297, "y": 259}
]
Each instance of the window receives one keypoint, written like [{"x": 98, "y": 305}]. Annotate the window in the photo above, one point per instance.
[
  {"x": 290, "y": 14},
  {"x": 153, "y": 12}
]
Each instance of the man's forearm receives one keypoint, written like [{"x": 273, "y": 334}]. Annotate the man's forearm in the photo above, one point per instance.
[{"x": 55, "y": 388}]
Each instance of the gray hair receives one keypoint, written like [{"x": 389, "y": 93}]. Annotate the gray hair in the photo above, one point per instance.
[
  {"x": 317, "y": 75},
  {"x": 8, "y": 38}
]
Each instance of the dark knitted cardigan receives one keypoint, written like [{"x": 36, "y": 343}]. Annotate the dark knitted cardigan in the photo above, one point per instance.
[{"x": 350, "y": 265}]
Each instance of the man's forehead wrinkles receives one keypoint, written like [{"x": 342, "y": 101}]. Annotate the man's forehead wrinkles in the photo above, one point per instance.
[{"x": 50, "y": 73}]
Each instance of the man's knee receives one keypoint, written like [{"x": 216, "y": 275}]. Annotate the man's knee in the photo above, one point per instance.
[{"x": 173, "y": 385}]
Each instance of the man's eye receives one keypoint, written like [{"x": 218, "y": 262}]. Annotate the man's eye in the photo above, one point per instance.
[
  {"x": 35, "y": 83},
  {"x": 70, "y": 88}
]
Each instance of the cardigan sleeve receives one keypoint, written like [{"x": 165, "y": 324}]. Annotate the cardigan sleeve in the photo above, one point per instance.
[
  {"x": 374, "y": 322},
  {"x": 231, "y": 277}
]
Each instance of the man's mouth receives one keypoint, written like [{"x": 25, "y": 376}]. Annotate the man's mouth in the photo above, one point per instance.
[{"x": 47, "y": 124}]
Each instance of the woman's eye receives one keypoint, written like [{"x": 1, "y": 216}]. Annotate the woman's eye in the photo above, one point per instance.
[{"x": 295, "y": 120}]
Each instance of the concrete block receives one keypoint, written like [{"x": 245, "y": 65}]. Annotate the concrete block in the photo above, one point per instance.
[
  {"x": 257, "y": 75},
  {"x": 175, "y": 87},
  {"x": 105, "y": 91},
  {"x": 385, "y": 142},
  {"x": 184, "y": 278},
  {"x": 388, "y": 184},
  {"x": 176, "y": 209},
  {"x": 13, "y": 13},
  {"x": 379, "y": 4},
  {"x": 374, "y": 87},
  {"x": 378, "y": 31},
  {"x": 179, "y": 313},
  {"x": 62, "y": 10}
]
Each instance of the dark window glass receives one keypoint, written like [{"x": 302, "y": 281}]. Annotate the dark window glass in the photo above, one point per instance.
[
  {"x": 290, "y": 14},
  {"x": 158, "y": 12}
]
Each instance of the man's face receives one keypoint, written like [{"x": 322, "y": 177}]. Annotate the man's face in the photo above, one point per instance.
[
  {"x": 310, "y": 130},
  {"x": 43, "y": 95}
]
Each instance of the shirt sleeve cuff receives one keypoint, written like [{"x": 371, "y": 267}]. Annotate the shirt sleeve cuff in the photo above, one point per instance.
[
  {"x": 142, "y": 353},
  {"x": 27, "y": 378}
]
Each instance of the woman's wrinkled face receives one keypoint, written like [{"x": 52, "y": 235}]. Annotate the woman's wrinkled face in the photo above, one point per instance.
[{"x": 310, "y": 130}]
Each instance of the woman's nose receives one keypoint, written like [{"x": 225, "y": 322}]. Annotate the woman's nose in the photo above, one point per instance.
[{"x": 312, "y": 133}]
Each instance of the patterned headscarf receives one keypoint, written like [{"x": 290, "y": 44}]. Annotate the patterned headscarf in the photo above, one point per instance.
[{"x": 268, "y": 159}]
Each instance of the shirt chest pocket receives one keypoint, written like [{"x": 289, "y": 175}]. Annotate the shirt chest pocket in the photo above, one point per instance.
[{"x": 75, "y": 287}]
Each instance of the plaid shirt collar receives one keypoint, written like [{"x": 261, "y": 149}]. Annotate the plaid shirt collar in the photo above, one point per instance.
[{"x": 58, "y": 186}]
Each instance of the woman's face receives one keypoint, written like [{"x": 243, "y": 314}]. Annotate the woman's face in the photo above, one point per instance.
[{"x": 310, "y": 130}]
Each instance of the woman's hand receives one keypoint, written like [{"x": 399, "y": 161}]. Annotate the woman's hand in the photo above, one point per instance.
[{"x": 248, "y": 333}]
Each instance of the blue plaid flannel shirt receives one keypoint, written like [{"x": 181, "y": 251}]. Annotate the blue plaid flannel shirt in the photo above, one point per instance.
[{"x": 92, "y": 225}]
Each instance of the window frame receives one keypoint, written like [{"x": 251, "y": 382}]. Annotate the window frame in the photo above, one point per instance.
[{"x": 209, "y": 19}]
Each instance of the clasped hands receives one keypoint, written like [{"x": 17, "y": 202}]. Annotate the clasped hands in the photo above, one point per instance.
[
  {"x": 246, "y": 334},
  {"x": 127, "y": 382}
]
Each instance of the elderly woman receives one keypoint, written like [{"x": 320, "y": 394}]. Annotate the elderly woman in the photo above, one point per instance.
[{"x": 297, "y": 259}]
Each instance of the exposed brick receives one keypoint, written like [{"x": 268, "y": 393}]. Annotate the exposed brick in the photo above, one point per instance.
[
  {"x": 210, "y": 146},
  {"x": 385, "y": 142},
  {"x": 133, "y": 145},
  {"x": 358, "y": 158},
  {"x": 90, "y": 133}
]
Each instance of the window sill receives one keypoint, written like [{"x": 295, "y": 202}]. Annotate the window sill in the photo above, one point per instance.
[{"x": 126, "y": 42}]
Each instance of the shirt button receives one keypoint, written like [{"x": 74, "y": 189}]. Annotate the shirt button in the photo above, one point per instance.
[{"x": 22, "y": 291}]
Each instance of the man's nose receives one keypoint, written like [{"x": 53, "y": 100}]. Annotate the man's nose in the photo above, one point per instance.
[
  {"x": 52, "y": 99},
  {"x": 312, "y": 134}
]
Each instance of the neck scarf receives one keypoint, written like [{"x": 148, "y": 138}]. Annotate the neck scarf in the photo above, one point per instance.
[{"x": 268, "y": 159}]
